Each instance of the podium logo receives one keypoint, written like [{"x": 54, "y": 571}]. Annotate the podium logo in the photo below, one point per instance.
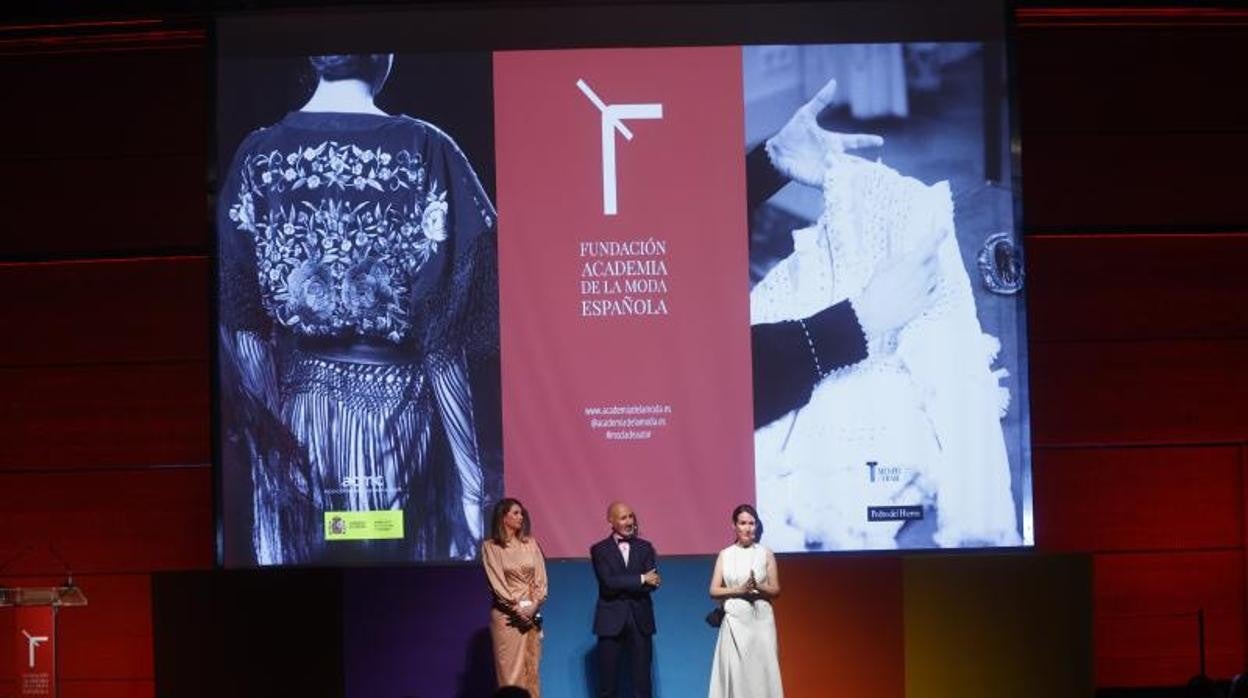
[
  {"x": 613, "y": 117},
  {"x": 32, "y": 643}
]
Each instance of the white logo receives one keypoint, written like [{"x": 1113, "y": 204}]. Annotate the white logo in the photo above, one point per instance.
[
  {"x": 33, "y": 641},
  {"x": 363, "y": 481},
  {"x": 612, "y": 120}
]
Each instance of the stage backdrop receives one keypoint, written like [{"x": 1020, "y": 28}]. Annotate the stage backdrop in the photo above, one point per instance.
[{"x": 632, "y": 270}]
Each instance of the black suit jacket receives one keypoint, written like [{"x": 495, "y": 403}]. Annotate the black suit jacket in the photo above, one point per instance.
[{"x": 620, "y": 591}]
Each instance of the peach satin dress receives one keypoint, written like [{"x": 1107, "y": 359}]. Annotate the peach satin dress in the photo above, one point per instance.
[{"x": 517, "y": 577}]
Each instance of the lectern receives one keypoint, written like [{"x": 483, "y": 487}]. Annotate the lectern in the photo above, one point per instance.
[{"x": 35, "y": 610}]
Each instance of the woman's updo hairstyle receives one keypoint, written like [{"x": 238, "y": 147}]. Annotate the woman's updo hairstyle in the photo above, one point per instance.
[{"x": 372, "y": 68}]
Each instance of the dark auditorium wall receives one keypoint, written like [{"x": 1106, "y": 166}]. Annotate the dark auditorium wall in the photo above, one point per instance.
[
  {"x": 1135, "y": 140},
  {"x": 104, "y": 381}
]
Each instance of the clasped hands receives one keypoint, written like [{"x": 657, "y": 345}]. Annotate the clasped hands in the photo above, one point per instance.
[
  {"x": 523, "y": 613},
  {"x": 651, "y": 578},
  {"x": 749, "y": 590}
]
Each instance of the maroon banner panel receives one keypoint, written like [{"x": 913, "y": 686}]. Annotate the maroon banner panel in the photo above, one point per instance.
[
  {"x": 36, "y": 650},
  {"x": 624, "y": 291}
]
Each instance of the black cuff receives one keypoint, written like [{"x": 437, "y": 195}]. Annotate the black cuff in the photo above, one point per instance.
[
  {"x": 837, "y": 337},
  {"x": 762, "y": 180},
  {"x": 789, "y": 359}
]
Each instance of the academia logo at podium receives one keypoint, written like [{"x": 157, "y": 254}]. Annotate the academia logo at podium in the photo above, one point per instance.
[{"x": 33, "y": 643}]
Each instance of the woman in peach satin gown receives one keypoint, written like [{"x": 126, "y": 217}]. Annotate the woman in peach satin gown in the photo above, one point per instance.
[{"x": 516, "y": 571}]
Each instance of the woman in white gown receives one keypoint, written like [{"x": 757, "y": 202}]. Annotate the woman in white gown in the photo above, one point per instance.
[{"x": 745, "y": 580}]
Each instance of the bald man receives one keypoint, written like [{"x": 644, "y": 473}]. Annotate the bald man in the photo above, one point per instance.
[{"x": 624, "y": 616}]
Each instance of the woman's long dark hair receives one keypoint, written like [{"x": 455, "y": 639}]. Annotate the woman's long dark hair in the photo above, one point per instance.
[
  {"x": 498, "y": 530},
  {"x": 758, "y": 523}
]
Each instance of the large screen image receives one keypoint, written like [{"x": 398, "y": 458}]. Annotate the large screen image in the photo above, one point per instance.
[{"x": 685, "y": 277}]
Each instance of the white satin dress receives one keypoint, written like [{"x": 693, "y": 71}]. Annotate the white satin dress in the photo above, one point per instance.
[{"x": 747, "y": 663}]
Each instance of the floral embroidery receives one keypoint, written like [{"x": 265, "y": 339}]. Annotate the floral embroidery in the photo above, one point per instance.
[
  {"x": 433, "y": 221},
  {"x": 330, "y": 264}
]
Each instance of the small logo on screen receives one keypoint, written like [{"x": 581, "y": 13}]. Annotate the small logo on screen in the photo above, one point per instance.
[
  {"x": 363, "y": 525},
  {"x": 884, "y": 473},
  {"x": 898, "y": 513},
  {"x": 613, "y": 117}
]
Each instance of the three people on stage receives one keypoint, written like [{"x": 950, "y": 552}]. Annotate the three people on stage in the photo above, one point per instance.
[{"x": 744, "y": 582}]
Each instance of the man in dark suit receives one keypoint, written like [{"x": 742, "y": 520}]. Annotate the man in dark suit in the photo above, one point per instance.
[{"x": 624, "y": 616}]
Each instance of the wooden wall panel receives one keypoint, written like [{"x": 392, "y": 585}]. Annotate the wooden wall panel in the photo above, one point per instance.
[
  {"x": 112, "y": 158},
  {"x": 1138, "y": 340},
  {"x": 1122, "y": 499},
  {"x": 105, "y": 522},
  {"x": 110, "y": 366},
  {"x": 1132, "y": 79},
  {"x": 107, "y": 105},
  {"x": 73, "y": 206},
  {"x": 1120, "y": 287},
  {"x": 1124, "y": 180},
  {"x": 109, "y": 639},
  {"x": 104, "y": 415},
  {"x": 1139, "y": 392},
  {"x": 1145, "y": 619},
  {"x": 149, "y": 309}
]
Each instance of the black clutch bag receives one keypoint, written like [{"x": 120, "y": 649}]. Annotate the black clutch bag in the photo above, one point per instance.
[{"x": 715, "y": 617}]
